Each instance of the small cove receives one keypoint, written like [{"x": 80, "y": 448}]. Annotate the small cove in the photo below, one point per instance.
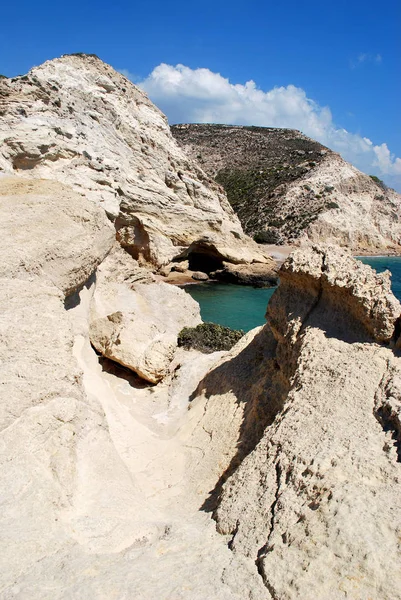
[
  {"x": 242, "y": 307},
  {"x": 235, "y": 306}
]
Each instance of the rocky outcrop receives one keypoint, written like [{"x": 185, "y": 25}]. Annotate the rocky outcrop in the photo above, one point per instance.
[
  {"x": 296, "y": 429},
  {"x": 288, "y": 188},
  {"x": 136, "y": 322},
  {"x": 78, "y": 121},
  {"x": 55, "y": 233},
  {"x": 94, "y": 496},
  {"x": 257, "y": 276},
  {"x": 310, "y": 453}
]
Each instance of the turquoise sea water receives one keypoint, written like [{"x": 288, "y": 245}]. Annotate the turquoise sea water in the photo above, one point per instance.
[
  {"x": 393, "y": 264},
  {"x": 235, "y": 306},
  {"x": 241, "y": 307}
]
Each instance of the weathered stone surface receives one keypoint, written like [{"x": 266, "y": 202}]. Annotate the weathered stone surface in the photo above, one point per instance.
[
  {"x": 78, "y": 121},
  {"x": 199, "y": 276},
  {"x": 358, "y": 301},
  {"x": 51, "y": 232},
  {"x": 310, "y": 451},
  {"x": 296, "y": 429},
  {"x": 180, "y": 267},
  {"x": 93, "y": 493},
  {"x": 136, "y": 324}
]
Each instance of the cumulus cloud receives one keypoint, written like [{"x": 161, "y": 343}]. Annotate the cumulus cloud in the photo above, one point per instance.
[
  {"x": 201, "y": 96},
  {"x": 385, "y": 161}
]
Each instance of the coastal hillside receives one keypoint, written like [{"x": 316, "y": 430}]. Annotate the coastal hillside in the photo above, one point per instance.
[{"x": 287, "y": 188}]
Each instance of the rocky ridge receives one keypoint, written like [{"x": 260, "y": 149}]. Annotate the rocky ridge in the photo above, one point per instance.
[
  {"x": 309, "y": 461},
  {"x": 287, "y": 188},
  {"x": 78, "y": 121},
  {"x": 103, "y": 476}
]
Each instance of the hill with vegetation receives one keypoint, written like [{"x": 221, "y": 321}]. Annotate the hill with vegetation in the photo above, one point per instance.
[{"x": 286, "y": 187}]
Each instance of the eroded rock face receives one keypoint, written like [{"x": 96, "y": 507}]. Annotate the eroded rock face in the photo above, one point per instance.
[
  {"x": 296, "y": 429},
  {"x": 78, "y": 121},
  {"x": 358, "y": 303},
  {"x": 93, "y": 492},
  {"x": 52, "y": 232},
  {"x": 136, "y": 322},
  {"x": 310, "y": 454}
]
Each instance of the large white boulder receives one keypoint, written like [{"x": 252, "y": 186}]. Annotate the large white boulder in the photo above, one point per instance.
[
  {"x": 136, "y": 324},
  {"x": 51, "y": 232}
]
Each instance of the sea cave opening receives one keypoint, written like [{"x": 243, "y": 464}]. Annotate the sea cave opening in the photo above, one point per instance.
[{"x": 205, "y": 258}]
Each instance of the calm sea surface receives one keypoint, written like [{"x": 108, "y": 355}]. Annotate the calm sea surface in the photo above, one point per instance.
[{"x": 242, "y": 307}]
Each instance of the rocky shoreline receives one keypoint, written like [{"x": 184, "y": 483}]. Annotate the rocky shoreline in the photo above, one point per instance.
[{"x": 135, "y": 467}]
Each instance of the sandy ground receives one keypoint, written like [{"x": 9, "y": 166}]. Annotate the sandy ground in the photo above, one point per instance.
[{"x": 279, "y": 253}]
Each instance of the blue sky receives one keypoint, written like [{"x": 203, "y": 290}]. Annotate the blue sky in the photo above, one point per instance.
[{"x": 331, "y": 69}]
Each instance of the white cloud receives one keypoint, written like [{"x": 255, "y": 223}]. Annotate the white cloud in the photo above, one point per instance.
[
  {"x": 365, "y": 57},
  {"x": 201, "y": 96},
  {"x": 385, "y": 161}
]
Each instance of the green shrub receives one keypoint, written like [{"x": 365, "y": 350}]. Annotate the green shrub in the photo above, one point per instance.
[
  {"x": 209, "y": 337},
  {"x": 375, "y": 179},
  {"x": 378, "y": 181},
  {"x": 332, "y": 205},
  {"x": 81, "y": 54}
]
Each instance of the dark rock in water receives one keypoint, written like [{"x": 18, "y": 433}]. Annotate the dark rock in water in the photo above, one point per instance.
[
  {"x": 199, "y": 276},
  {"x": 257, "y": 275}
]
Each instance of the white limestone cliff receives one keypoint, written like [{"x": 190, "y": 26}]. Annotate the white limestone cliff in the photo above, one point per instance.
[
  {"x": 363, "y": 217},
  {"x": 78, "y": 121}
]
